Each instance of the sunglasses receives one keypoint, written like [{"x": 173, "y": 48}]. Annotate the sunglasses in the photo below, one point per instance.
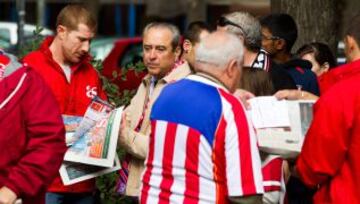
[{"x": 224, "y": 22}]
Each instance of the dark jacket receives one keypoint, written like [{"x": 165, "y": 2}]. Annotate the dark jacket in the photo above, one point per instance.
[
  {"x": 280, "y": 78},
  {"x": 300, "y": 71}
]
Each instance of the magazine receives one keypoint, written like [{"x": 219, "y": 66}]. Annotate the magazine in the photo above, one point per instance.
[
  {"x": 97, "y": 110},
  {"x": 284, "y": 136},
  {"x": 72, "y": 172},
  {"x": 71, "y": 123},
  {"x": 98, "y": 145}
]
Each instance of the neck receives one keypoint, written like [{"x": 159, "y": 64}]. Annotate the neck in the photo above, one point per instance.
[
  {"x": 249, "y": 57},
  {"x": 214, "y": 77},
  {"x": 56, "y": 51},
  {"x": 281, "y": 57},
  {"x": 355, "y": 56}
]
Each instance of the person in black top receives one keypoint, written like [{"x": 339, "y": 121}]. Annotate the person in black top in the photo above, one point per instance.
[
  {"x": 279, "y": 33},
  {"x": 248, "y": 29}
]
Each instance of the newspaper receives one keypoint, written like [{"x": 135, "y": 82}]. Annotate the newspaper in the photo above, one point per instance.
[
  {"x": 267, "y": 111},
  {"x": 71, "y": 123},
  {"x": 72, "y": 173},
  {"x": 287, "y": 140},
  {"x": 97, "y": 146},
  {"x": 97, "y": 110}
]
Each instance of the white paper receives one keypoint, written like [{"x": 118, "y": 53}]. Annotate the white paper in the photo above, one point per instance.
[
  {"x": 288, "y": 141},
  {"x": 268, "y": 112}
]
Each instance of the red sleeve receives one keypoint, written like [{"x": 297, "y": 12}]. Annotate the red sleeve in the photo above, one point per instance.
[
  {"x": 45, "y": 133},
  {"x": 326, "y": 142}
]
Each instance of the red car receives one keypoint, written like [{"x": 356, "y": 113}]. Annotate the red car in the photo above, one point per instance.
[{"x": 126, "y": 51}]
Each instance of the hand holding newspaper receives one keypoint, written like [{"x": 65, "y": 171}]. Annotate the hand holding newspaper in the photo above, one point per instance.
[{"x": 281, "y": 125}]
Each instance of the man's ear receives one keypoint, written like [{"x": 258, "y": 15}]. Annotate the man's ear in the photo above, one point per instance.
[
  {"x": 61, "y": 31},
  {"x": 187, "y": 46},
  {"x": 352, "y": 44},
  {"x": 231, "y": 68},
  {"x": 177, "y": 52},
  {"x": 351, "y": 50}
]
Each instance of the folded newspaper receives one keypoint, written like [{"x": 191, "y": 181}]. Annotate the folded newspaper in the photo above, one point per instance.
[
  {"x": 281, "y": 125},
  {"x": 71, "y": 172},
  {"x": 97, "y": 146}
]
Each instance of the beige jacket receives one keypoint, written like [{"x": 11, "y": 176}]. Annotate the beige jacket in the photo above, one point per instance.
[{"x": 136, "y": 143}]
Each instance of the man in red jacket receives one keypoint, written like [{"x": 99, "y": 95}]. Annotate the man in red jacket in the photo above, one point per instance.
[
  {"x": 64, "y": 63},
  {"x": 330, "y": 157},
  {"x": 32, "y": 138}
]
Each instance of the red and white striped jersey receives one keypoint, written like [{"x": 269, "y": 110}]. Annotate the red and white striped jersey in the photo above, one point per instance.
[{"x": 202, "y": 147}]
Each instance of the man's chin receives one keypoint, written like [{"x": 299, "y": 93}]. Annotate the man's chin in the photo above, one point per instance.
[
  {"x": 153, "y": 72},
  {"x": 75, "y": 60}
]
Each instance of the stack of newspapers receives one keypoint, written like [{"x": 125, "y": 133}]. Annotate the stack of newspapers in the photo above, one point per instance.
[
  {"x": 281, "y": 125},
  {"x": 92, "y": 141}
]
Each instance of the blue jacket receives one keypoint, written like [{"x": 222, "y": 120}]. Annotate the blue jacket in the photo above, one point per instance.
[{"x": 300, "y": 71}]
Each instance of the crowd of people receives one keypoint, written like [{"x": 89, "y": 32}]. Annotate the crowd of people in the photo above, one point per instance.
[{"x": 186, "y": 133}]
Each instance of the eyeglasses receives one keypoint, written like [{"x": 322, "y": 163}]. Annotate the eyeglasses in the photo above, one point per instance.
[
  {"x": 224, "y": 22},
  {"x": 270, "y": 37}
]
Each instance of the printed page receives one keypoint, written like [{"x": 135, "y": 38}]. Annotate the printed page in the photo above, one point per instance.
[
  {"x": 287, "y": 142},
  {"x": 97, "y": 110},
  {"x": 98, "y": 145},
  {"x": 268, "y": 112}
]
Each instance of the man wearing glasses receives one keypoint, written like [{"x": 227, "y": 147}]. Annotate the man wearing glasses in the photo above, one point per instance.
[
  {"x": 248, "y": 29},
  {"x": 279, "y": 33}
]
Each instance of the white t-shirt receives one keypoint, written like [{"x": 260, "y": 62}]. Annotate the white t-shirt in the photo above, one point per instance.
[{"x": 67, "y": 72}]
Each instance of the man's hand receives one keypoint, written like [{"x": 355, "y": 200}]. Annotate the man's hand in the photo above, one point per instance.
[
  {"x": 244, "y": 96},
  {"x": 125, "y": 120},
  {"x": 7, "y": 196},
  {"x": 295, "y": 95}
]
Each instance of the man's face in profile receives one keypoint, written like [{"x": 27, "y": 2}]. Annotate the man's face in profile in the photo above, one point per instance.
[{"x": 76, "y": 43}]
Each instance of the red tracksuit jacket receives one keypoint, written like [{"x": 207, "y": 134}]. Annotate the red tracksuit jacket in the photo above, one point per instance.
[
  {"x": 32, "y": 135},
  {"x": 330, "y": 156}
]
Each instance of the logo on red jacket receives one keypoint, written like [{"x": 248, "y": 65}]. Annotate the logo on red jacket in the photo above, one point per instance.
[{"x": 91, "y": 91}]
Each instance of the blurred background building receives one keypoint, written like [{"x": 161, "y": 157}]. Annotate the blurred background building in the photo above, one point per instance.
[{"x": 127, "y": 17}]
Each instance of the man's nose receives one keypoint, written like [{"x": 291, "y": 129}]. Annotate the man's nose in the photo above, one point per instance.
[
  {"x": 85, "y": 46},
  {"x": 153, "y": 54}
]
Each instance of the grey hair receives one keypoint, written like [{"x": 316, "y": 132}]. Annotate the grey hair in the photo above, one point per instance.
[
  {"x": 219, "y": 52},
  {"x": 175, "y": 41},
  {"x": 251, "y": 27}
]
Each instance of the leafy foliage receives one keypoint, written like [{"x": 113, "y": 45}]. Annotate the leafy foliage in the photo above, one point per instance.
[
  {"x": 107, "y": 183},
  {"x": 32, "y": 44},
  {"x": 112, "y": 90}
]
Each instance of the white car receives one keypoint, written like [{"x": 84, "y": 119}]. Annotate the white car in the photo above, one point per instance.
[{"x": 8, "y": 32}]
